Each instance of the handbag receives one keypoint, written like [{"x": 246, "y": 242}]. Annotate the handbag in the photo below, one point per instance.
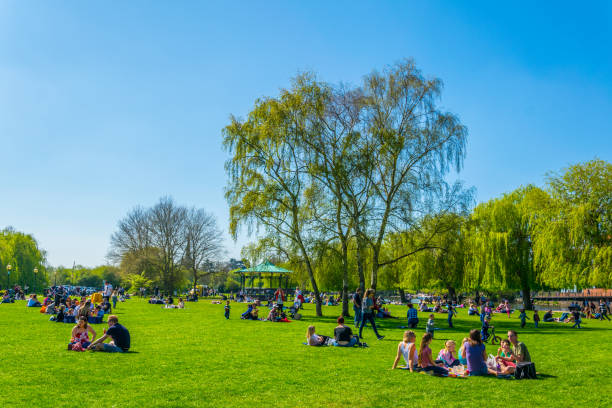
[{"x": 525, "y": 370}]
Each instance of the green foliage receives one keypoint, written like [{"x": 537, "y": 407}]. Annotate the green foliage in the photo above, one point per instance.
[
  {"x": 162, "y": 369},
  {"x": 21, "y": 251},
  {"x": 574, "y": 234}
]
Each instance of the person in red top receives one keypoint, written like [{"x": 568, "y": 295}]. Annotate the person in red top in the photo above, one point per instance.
[{"x": 279, "y": 297}]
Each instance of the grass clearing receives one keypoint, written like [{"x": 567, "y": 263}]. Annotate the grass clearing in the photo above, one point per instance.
[{"x": 196, "y": 358}]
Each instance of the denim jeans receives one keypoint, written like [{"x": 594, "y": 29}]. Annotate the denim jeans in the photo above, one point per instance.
[
  {"x": 351, "y": 343},
  {"x": 357, "y": 311},
  {"x": 364, "y": 317},
  {"x": 412, "y": 323},
  {"x": 450, "y": 321}
]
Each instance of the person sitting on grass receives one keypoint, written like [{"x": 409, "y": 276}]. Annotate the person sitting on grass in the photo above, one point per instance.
[
  {"x": 33, "y": 301},
  {"x": 59, "y": 318},
  {"x": 461, "y": 355},
  {"x": 504, "y": 358},
  {"x": 473, "y": 310},
  {"x": 343, "y": 335},
  {"x": 548, "y": 316},
  {"x": 476, "y": 355},
  {"x": 51, "y": 309},
  {"x": 519, "y": 349},
  {"x": 426, "y": 361},
  {"x": 80, "y": 336},
  {"x": 413, "y": 318},
  {"x": 314, "y": 339},
  {"x": 408, "y": 349},
  {"x": 120, "y": 336},
  {"x": 247, "y": 315},
  {"x": 181, "y": 304},
  {"x": 447, "y": 354}
]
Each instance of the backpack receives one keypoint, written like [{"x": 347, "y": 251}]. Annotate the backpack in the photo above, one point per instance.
[{"x": 526, "y": 370}]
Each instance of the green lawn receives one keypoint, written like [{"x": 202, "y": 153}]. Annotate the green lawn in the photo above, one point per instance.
[{"x": 194, "y": 357}]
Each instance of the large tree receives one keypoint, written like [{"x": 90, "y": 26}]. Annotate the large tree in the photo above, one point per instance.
[
  {"x": 500, "y": 238},
  {"x": 266, "y": 175},
  {"x": 573, "y": 245},
  {"x": 410, "y": 144}
]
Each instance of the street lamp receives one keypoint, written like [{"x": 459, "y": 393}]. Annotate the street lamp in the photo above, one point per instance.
[
  {"x": 35, "y": 279},
  {"x": 8, "y": 274},
  {"x": 55, "y": 278}
]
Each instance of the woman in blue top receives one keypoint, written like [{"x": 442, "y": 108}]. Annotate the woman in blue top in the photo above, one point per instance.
[{"x": 367, "y": 306}]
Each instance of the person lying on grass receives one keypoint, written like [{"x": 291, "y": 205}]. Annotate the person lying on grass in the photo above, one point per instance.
[
  {"x": 80, "y": 336},
  {"x": 343, "y": 335},
  {"x": 313, "y": 339},
  {"x": 408, "y": 349},
  {"x": 120, "y": 336},
  {"x": 505, "y": 359}
]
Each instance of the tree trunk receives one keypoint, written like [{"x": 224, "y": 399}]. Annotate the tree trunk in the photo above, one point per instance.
[
  {"x": 477, "y": 298},
  {"x": 526, "y": 295},
  {"x": 360, "y": 265},
  {"x": 452, "y": 295},
  {"x": 374, "y": 279},
  {"x": 402, "y": 295},
  {"x": 345, "y": 305}
]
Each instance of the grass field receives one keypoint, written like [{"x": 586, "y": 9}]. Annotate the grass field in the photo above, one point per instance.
[{"x": 194, "y": 357}]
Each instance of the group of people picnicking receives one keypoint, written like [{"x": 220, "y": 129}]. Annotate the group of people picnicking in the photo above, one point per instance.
[
  {"x": 85, "y": 312},
  {"x": 167, "y": 301},
  {"x": 470, "y": 359}
]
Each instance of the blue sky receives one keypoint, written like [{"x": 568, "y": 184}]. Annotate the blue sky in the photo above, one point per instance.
[{"x": 109, "y": 105}]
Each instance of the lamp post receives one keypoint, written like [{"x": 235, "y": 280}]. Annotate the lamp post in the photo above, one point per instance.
[
  {"x": 54, "y": 278},
  {"x": 8, "y": 275},
  {"x": 35, "y": 279}
]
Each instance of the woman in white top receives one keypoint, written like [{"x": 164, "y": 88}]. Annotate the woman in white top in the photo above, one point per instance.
[
  {"x": 408, "y": 349},
  {"x": 314, "y": 339}
]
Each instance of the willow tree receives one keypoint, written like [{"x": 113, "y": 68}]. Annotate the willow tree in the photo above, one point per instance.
[
  {"x": 267, "y": 178},
  {"x": 500, "y": 238},
  {"x": 410, "y": 144},
  {"x": 433, "y": 255},
  {"x": 573, "y": 245}
]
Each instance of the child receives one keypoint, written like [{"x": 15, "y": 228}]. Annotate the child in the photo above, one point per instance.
[
  {"x": 425, "y": 360},
  {"x": 504, "y": 358},
  {"x": 462, "y": 355},
  {"x": 484, "y": 330},
  {"x": 446, "y": 355},
  {"x": 227, "y": 309},
  {"x": 430, "y": 325},
  {"x": 523, "y": 316},
  {"x": 451, "y": 312},
  {"x": 536, "y": 318}
]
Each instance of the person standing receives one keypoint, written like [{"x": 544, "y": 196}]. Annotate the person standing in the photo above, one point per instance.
[
  {"x": 451, "y": 312},
  {"x": 114, "y": 298},
  {"x": 367, "y": 310},
  {"x": 357, "y": 306},
  {"x": 603, "y": 310},
  {"x": 108, "y": 290},
  {"x": 227, "y": 309}
]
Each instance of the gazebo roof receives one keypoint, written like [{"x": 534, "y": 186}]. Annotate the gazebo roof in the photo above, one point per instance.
[{"x": 265, "y": 267}]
